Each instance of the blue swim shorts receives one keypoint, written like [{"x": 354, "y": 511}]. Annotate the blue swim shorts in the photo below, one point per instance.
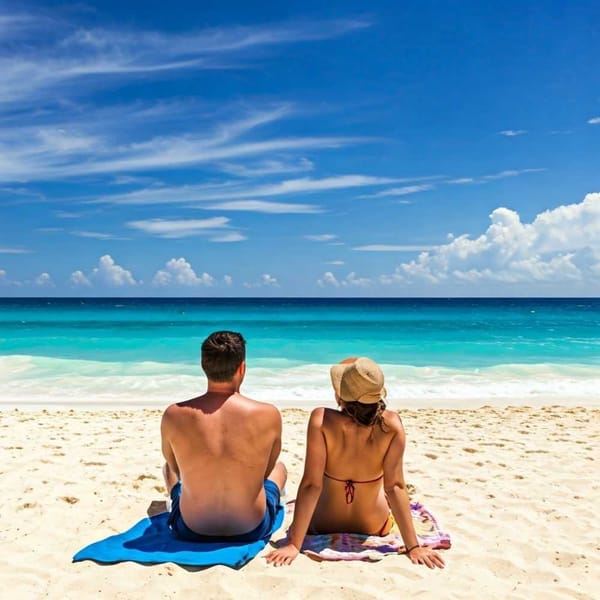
[{"x": 261, "y": 531}]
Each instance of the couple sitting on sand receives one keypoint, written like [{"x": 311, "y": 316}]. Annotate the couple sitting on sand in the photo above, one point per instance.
[{"x": 225, "y": 481}]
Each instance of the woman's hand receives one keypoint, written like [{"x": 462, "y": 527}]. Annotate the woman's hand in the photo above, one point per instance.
[
  {"x": 423, "y": 555},
  {"x": 283, "y": 556}
]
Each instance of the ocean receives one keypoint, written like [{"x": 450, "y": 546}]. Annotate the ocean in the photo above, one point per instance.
[{"x": 434, "y": 352}]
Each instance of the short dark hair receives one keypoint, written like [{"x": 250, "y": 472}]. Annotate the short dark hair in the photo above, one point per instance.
[
  {"x": 365, "y": 414},
  {"x": 222, "y": 354}
]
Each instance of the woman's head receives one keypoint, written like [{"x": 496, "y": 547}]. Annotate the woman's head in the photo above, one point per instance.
[{"x": 358, "y": 385}]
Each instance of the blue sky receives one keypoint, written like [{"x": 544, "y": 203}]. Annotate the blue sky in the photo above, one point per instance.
[{"x": 290, "y": 149}]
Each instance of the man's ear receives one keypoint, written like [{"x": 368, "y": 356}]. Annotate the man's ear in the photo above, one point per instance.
[{"x": 241, "y": 370}]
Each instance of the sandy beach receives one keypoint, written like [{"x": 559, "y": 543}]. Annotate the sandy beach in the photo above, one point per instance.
[{"x": 517, "y": 488}]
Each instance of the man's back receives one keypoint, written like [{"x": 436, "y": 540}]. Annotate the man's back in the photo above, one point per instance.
[{"x": 225, "y": 446}]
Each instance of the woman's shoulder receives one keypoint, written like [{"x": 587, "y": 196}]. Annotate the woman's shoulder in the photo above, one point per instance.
[{"x": 392, "y": 420}]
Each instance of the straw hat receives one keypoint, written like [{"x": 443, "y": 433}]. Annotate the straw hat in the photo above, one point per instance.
[{"x": 358, "y": 381}]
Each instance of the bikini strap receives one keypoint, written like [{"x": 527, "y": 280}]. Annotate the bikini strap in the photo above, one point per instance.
[{"x": 349, "y": 488}]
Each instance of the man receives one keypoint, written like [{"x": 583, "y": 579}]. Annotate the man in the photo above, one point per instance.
[{"x": 221, "y": 450}]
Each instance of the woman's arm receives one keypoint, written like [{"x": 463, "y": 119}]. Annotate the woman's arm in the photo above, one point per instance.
[
  {"x": 395, "y": 490},
  {"x": 308, "y": 491}
]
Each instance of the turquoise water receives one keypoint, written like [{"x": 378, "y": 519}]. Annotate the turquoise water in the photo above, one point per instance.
[{"x": 444, "y": 346}]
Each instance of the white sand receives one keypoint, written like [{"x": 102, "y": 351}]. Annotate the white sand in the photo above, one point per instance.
[{"x": 517, "y": 489}]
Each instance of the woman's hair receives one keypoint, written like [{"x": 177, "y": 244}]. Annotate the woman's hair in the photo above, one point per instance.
[{"x": 365, "y": 414}]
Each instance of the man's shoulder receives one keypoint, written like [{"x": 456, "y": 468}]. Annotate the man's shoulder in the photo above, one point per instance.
[{"x": 256, "y": 406}]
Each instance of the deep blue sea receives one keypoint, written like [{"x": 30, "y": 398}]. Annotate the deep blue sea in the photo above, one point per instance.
[{"x": 434, "y": 352}]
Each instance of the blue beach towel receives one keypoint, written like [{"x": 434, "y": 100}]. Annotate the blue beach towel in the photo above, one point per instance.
[{"x": 151, "y": 541}]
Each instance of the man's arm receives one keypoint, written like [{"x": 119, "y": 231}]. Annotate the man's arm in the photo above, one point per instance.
[
  {"x": 276, "y": 448},
  {"x": 395, "y": 490},
  {"x": 166, "y": 425}
]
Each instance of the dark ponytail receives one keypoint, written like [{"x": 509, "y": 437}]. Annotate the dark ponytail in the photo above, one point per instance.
[{"x": 365, "y": 414}]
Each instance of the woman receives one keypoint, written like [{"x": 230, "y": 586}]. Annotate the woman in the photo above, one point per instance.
[{"x": 353, "y": 472}]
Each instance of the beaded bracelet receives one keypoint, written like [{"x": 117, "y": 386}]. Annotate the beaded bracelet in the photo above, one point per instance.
[{"x": 409, "y": 550}]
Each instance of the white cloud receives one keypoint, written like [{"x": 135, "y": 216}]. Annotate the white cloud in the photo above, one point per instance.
[
  {"x": 178, "y": 271},
  {"x": 511, "y": 173},
  {"x": 321, "y": 237},
  {"x": 236, "y": 191},
  {"x": 44, "y": 280},
  {"x": 392, "y": 248},
  {"x": 594, "y": 121},
  {"x": 53, "y": 53},
  {"x": 401, "y": 191},
  {"x": 267, "y": 167},
  {"x": 513, "y": 132},
  {"x": 461, "y": 180},
  {"x": 96, "y": 235},
  {"x": 179, "y": 228},
  {"x": 227, "y": 280},
  {"x": 560, "y": 245},
  {"x": 265, "y": 280},
  {"x": 78, "y": 279},
  {"x": 111, "y": 274},
  {"x": 329, "y": 279},
  {"x": 262, "y": 206},
  {"x": 14, "y": 251},
  {"x": 336, "y": 263},
  {"x": 227, "y": 238},
  {"x": 103, "y": 145}
]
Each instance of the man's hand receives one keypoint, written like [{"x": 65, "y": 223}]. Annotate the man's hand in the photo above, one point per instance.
[
  {"x": 283, "y": 556},
  {"x": 423, "y": 555}
]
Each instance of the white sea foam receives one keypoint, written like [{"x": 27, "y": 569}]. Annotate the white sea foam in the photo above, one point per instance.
[{"x": 40, "y": 381}]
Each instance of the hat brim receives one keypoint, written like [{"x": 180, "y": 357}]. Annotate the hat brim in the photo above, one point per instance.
[{"x": 336, "y": 372}]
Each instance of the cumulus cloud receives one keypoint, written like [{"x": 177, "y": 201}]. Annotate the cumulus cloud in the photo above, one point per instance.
[
  {"x": 78, "y": 279},
  {"x": 227, "y": 280},
  {"x": 44, "y": 280},
  {"x": 560, "y": 245},
  {"x": 328, "y": 279},
  {"x": 107, "y": 273},
  {"x": 594, "y": 121},
  {"x": 178, "y": 271},
  {"x": 265, "y": 280},
  {"x": 110, "y": 273}
]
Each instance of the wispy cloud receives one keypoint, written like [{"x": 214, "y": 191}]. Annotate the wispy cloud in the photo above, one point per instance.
[
  {"x": 96, "y": 148},
  {"x": 594, "y": 121},
  {"x": 234, "y": 191},
  {"x": 511, "y": 173},
  {"x": 321, "y": 237},
  {"x": 461, "y": 180},
  {"x": 393, "y": 248},
  {"x": 179, "y": 228},
  {"x": 68, "y": 53},
  {"x": 513, "y": 132},
  {"x": 262, "y": 206},
  {"x": 97, "y": 235},
  {"x": 14, "y": 251},
  {"x": 267, "y": 167},
  {"x": 401, "y": 191}
]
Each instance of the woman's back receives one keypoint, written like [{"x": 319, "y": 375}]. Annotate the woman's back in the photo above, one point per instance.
[{"x": 352, "y": 498}]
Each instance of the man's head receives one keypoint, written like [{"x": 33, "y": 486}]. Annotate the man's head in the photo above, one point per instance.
[{"x": 222, "y": 354}]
